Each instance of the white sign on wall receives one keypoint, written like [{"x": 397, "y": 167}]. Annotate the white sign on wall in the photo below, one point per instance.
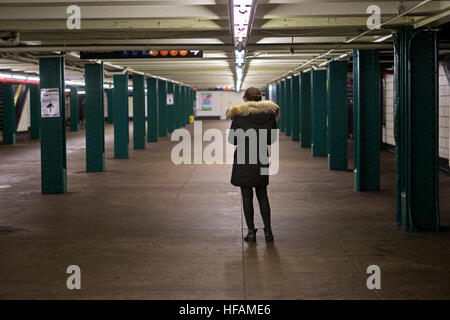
[
  {"x": 170, "y": 99},
  {"x": 50, "y": 103},
  {"x": 208, "y": 104}
]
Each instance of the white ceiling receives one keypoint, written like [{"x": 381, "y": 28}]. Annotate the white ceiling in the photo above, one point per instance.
[{"x": 311, "y": 28}]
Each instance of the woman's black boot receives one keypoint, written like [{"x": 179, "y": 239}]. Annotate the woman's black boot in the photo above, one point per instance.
[
  {"x": 268, "y": 234},
  {"x": 251, "y": 235}
]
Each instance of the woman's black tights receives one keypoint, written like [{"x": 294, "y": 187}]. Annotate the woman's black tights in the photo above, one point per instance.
[{"x": 264, "y": 206}]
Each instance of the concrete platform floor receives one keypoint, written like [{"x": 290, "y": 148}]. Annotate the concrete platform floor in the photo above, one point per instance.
[{"x": 148, "y": 229}]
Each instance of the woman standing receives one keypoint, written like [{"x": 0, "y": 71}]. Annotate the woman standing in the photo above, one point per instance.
[{"x": 259, "y": 116}]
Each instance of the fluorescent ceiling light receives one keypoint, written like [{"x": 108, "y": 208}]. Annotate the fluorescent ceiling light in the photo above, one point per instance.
[
  {"x": 33, "y": 78},
  {"x": 5, "y": 75},
  {"x": 19, "y": 77},
  {"x": 343, "y": 55},
  {"x": 81, "y": 92},
  {"x": 324, "y": 63},
  {"x": 241, "y": 19},
  {"x": 74, "y": 83},
  {"x": 380, "y": 39},
  {"x": 240, "y": 57}
]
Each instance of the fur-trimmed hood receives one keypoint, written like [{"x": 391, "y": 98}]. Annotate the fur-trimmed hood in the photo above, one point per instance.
[{"x": 254, "y": 108}]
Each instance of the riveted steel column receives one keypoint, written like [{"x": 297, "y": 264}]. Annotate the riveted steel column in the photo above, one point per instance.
[
  {"x": 162, "y": 110},
  {"x": 193, "y": 103},
  {"x": 416, "y": 129},
  {"x": 282, "y": 105},
  {"x": 110, "y": 101},
  {"x": 53, "y": 130},
  {"x": 179, "y": 107},
  {"x": 190, "y": 105},
  {"x": 138, "y": 111},
  {"x": 35, "y": 112},
  {"x": 74, "y": 110},
  {"x": 121, "y": 116},
  {"x": 152, "y": 110},
  {"x": 184, "y": 117},
  {"x": 305, "y": 110},
  {"x": 186, "y": 106},
  {"x": 9, "y": 115},
  {"x": 337, "y": 115},
  {"x": 295, "y": 108},
  {"x": 170, "y": 109},
  {"x": 288, "y": 103},
  {"x": 367, "y": 119},
  {"x": 177, "y": 102},
  {"x": 319, "y": 113},
  {"x": 95, "y": 119},
  {"x": 278, "y": 99}
]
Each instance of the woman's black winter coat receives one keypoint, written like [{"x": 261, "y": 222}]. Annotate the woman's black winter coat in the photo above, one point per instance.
[{"x": 255, "y": 115}]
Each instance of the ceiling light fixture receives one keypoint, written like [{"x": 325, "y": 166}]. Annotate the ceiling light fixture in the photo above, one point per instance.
[
  {"x": 381, "y": 39},
  {"x": 242, "y": 12}
]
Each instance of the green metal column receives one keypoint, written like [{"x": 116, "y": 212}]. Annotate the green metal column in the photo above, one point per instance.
[
  {"x": 276, "y": 93},
  {"x": 110, "y": 101},
  {"x": 170, "y": 109},
  {"x": 305, "y": 110},
  {"x": 95, "y": 118},
  {"x": 74, "y": 110},
  {"x": 189, "y": 105},
  {"x": 152, "y": 110},
  {"x": 278, "y": 100},
  {"x": 295, "y": 108},
  {"x": 179, "y": 107},
  {"x": 282, "y": 106},
  {"x": 9, "y": 115},
  {"x": 138, "y": 111},
  {"x": 176, "y": 105},
  {"x": 53, "y": 128},
  {"x": 186, "y": 106},
  {"x": 319, "y": 113},
  {"x": 183, "y": 113},
  {"x": 337, "y": 115},
  {"x": 288, "y": 104},
  {"x": 121, "y": 116},
  {"x": 162, "y": 108},
  {"x": 416, "y": 129},
  {"x": 366, "y": 119},
  {"x": 193, "y": 104},
  {"x": 35, "y": 112}
]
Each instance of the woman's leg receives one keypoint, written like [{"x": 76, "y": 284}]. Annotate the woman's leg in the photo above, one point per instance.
[
  {"x": 264, "y": 206},
  {"x": 247, "y": 202}
]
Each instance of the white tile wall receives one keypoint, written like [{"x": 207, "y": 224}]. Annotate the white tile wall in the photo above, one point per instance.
[
  {"x": 443, "y": 114},
  {"x": 444, "y": 105},
  {"x": 388, "y": 107}
]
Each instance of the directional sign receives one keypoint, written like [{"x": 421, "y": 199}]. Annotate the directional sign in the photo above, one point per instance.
[
  {"x": 169, "y": 99},
  {"x": 50, "y": 103},
  {"x": 148, "y": 54}
]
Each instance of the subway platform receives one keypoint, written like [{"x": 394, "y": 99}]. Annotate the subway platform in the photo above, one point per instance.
[{"x": 149, "y": 229}]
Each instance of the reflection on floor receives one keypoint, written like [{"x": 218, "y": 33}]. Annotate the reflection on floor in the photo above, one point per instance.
[{"x": 148, "y": 229}]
